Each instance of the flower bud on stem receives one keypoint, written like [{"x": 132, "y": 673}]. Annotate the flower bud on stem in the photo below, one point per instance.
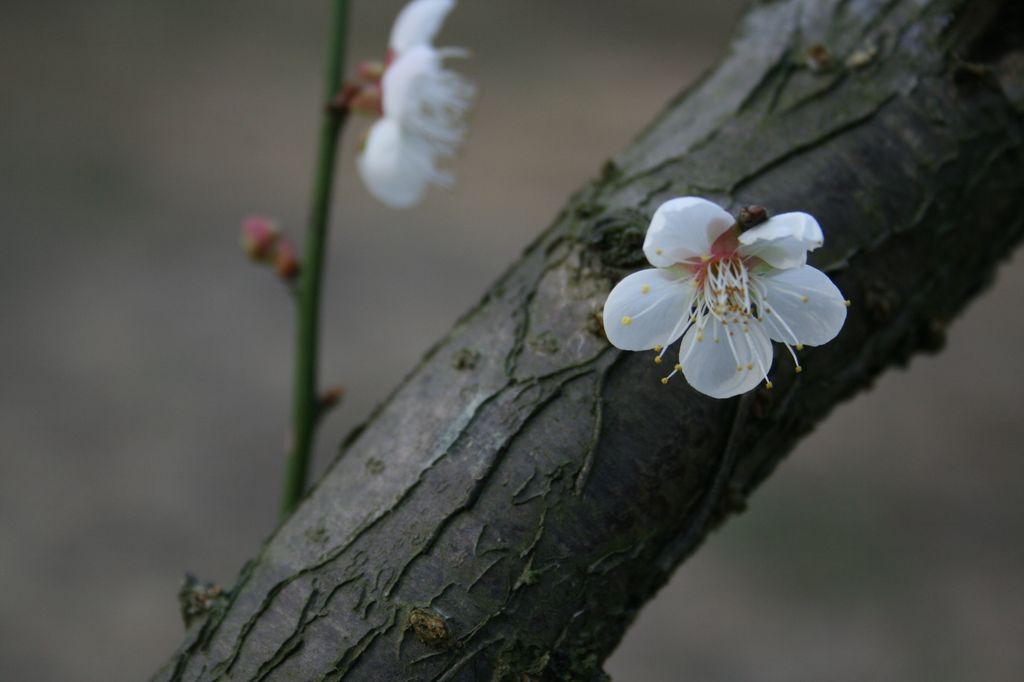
[
  {"x": 751, "y": 216},
  {"x": 259, "y": 238},
  {"x": 370, "y": 71},
  {"x": 286, "y": 262},
  {"x": 330, "y": 399}
]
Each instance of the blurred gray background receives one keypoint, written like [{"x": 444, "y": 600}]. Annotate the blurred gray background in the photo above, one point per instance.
[{"x": 144, "y": 364}]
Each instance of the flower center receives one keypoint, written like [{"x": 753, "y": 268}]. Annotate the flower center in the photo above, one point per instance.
[{"x": 725, "y": 291}]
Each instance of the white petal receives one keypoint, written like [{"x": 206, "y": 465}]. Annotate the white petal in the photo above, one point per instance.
[
  {"x": 733, "y": 365},
  {"x": 427, "y": 98},
  {"x": 684, "y": 229},
  {"x": 801, "y": 226},
  {"x": 647, "y": 309},
  {"x": 418, "y": 23},
  {"x": 404, "y": 79},
  {"x": 397, "y": 167},
  {"x": 806, "y": 307},
  {"x": 783, "y": 241}
]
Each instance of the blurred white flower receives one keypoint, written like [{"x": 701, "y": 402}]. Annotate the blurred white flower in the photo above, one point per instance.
[
  {"x": 423, "y": 106},
  {"x": 727, "y": 294}
]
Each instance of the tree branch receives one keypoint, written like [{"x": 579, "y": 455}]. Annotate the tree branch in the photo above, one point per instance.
[{"x": 519, "y": 497}]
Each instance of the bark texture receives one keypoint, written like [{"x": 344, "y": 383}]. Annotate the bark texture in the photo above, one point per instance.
[{"x": 519, "y": 497}]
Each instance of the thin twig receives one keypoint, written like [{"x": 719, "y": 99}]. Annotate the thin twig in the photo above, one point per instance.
[{"x": 305, "y": 406}]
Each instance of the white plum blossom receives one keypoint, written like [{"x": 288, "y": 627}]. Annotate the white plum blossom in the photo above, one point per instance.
[
  {"x": 727, "y": 294},
  {"x": 423, "y": 105}
]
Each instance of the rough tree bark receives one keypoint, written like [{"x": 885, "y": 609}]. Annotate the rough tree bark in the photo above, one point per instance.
[{"x": 519, "y": 497}]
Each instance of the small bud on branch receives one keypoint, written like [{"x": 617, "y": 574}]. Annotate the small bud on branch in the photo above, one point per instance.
[
  {"x": 329, "y": 399},
  {"x": 750, "y": 216},
  {"x": 259, "y": 238},
  {"x": 286, "y": 262}
]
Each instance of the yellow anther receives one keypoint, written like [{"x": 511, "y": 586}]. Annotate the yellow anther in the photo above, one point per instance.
[
  {"x": 799, "y": 369},
  {"x": 657, "y": 349},
  {"x": 626, "y": 320},
  {"x": 645, "y": 289},
  {"x": 799, "y": 346},
  {"x": 678, "y": 367},
  {"x": 705, "y": 259},
  {"x": 664, "y": 380},
  {"x": 847, "y": 303},
  {"x": 658, "y": 251},
  {"x": 750, "y": 365},
  {"x": 805, "y": 299},
  {"x": 700, "y": 337},
  {"x": 768, "y": 385},
  {"x": 657, "y": 359},
  {"x": 738, "y": 368}
]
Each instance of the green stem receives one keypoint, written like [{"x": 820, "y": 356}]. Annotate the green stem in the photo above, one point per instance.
[{"x": 306, "y": 402}]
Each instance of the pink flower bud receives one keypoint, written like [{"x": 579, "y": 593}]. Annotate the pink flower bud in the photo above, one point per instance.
[
  {"x": 368, "y": 100},
  {"x": 259, "y": 236},
  {"x": 370, "y": 71}
]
